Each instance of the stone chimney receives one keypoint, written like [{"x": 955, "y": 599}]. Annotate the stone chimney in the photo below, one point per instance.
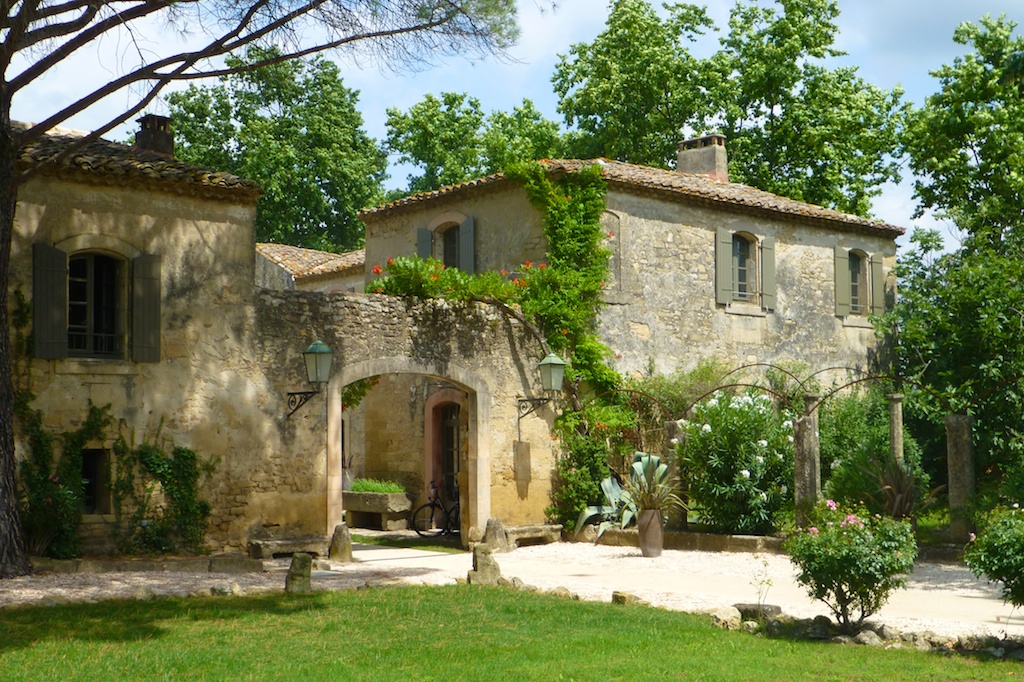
[
  {"x": 704, "y": 156},
  {"x": 155, "y": 134}
]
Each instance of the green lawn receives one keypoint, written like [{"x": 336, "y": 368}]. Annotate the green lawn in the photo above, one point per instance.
[{"x": 457, "y": 632}]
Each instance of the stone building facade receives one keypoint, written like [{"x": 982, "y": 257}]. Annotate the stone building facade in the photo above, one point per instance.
[
  {"x": 148, "y": 296},
  {"x": 700, "y": 267},
  {"x": 140, "y": 274}
]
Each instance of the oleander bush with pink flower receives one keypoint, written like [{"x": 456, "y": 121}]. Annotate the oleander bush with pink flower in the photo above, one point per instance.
[
  {"x": 852, "y": 560},
  {"x": 998, "y": 552}
]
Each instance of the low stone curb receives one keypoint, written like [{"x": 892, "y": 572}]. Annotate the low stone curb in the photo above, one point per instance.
[{"x": 234, "y": 563}]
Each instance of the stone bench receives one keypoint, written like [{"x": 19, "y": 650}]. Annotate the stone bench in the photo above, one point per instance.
[
  {"x": 268, "y": 549},
  {"x": 538, "y": 534},
  {"x": 382, "y": 511}
]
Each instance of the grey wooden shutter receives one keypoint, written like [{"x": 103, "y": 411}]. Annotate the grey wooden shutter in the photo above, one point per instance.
[
  {"x": 467, "y": 245},
  {"x": 146, "y": 308},
  {"x": 49, "y": 301},
  {"x": 424, "y": 243},
  {"x": 723, "y": 267},
  {"x": 877, "y": 285},
  {"x": 842, "y": 282},
  {"x": 768, "y": 298}
]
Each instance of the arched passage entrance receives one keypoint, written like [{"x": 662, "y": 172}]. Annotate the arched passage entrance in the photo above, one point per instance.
[{"x": 466, "y": 399}]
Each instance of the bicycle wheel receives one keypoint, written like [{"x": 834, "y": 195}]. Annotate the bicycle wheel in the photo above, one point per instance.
[
  {"x": 454, "y": 519},
  {"x": 428, "y": 520}
]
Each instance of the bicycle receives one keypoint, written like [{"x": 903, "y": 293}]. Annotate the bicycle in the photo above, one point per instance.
[{"x": 433, "y": 518}]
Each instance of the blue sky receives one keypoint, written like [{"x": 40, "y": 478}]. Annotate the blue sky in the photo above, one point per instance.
[{"x": 892, "y": 42}]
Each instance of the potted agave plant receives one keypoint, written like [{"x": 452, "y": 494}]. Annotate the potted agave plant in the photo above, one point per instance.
[{"x": 652, "y": 492}]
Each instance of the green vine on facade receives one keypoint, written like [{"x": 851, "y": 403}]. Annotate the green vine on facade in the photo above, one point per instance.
[
  {"x": 53, "y": 488},
  {"x": 558, "y": 301},
  {"x": 145, "y": 474}
]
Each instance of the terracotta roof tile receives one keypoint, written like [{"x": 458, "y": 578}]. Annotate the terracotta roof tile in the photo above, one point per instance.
[
  {"x": 632, "y": 178},
  {"x": 309, "y": 263},
  {"x": 105, "y": 162}
]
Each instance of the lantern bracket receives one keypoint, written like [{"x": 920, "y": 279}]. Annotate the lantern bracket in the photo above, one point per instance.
[{"x": 297, "y": 399}]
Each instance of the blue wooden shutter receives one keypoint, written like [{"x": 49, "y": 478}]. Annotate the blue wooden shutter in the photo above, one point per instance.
[
  {"x": 424, "y": 243},
  {"x": 467, "y": 245},
  {"x": 843, "y": 301},
  {"x": 877, "y": 285},
  {"x": 768, "y": 297},
  {"x": 723, "y": 267},
  {"x": 49, "y": 301},
  {"x": 146, "y": 308}
]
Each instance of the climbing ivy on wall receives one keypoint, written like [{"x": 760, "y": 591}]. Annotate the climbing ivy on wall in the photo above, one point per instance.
[
  {"x": 53, "y": 490},
  {"x": 560, "y": 299},
  {"x": 161, "y": 490}
]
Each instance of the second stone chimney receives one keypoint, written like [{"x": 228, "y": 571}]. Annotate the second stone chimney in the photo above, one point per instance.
[
  {"x": 155, "y": 134},
  {"x": 704, "y": 156}
]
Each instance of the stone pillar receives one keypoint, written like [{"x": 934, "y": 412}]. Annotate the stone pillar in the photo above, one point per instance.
[
  {"x": 806, "y": 459},
  {"x": 341, "y": 544},
  {"x": 896, "y": 426},
  {"x": 298, "y": 580},
  {"x": 672, "y": 432},
  {"x": 960, "y": 465}
]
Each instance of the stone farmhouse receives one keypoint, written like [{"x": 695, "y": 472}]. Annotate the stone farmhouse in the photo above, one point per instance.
[
  {"x": 148, "y": 294},
  {"x": 700, "y": 268}
]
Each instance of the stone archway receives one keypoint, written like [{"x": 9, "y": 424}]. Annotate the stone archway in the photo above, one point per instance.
[{"x": 475, "y": 395}]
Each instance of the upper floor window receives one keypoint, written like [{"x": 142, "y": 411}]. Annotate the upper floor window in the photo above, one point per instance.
[
  {"x": 450, "y": 247},
  {"x": 95, "y": 304},
  {"x": 859, "y": 298},
  {"x": 451, "y": 240},
  {"x": 860, "y": 283},
  {"x": 745, "y": 269}
]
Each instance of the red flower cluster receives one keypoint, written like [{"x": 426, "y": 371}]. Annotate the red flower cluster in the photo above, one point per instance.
[
  {"x": 377, "y": 269},
  {"x": 391, "y": 261}
]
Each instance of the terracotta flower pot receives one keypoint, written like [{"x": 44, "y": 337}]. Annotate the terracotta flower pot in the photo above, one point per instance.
[{"x": 649, "y": 525}]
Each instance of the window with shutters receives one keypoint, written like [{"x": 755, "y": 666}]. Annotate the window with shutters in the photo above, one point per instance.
[
  {"x": 745, "y": 270},
  {"x": 451, "y": 239},
  {"x": 450, "y": 246},
  {"x": 95, "y": 304},
  {"x": 860, "y": 283}
]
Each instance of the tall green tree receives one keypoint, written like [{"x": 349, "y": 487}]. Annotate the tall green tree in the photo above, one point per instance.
[
  {"x": 794, "y": 125},
  {"x": 40, "y": 36},
  {"x": 633, "y": 90},
  {"x": 294, "y": 128},
  {"x": 966, "y": 144},
  {"x": 451, "y": 141},
  {"x": 960, "y": 315},
  {"x": 960, "y": 326},
  {"x": 440, "y": 136}
]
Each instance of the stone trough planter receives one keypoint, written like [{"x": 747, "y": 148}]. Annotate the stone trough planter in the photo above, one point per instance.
[{"x": 382, "y": 511}]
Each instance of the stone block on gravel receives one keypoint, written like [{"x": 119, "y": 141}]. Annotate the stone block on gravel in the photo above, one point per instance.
[
  {"x": 727, "y": 618},
  {"x": 235, "y": 564},
  {"x": 201, "y": 565},
  {"x": 298, "y": 580}
]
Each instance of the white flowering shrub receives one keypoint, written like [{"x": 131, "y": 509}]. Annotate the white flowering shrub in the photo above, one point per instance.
[{"x": 736, "y": 458}]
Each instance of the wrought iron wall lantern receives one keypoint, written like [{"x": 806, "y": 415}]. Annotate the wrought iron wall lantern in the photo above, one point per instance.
[
  {"x": 318, "y": 358},
  {"x": 552, "y": 373}
]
